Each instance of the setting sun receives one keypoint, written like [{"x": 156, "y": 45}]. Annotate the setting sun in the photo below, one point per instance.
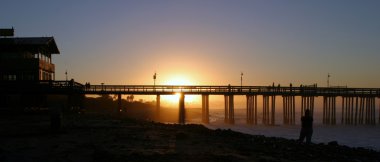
[{"x": 179, "y": 80}]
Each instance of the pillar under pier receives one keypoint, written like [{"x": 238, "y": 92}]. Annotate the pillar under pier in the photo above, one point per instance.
[
  {"x": 158, "y": 106},
  {"x": 229, "y": 116},
  {"x": 252, "y": 109},
  {"x": 329, "y": 110},
  {"x": 269, "y": 107},
  {"x": 119, "y": 103},
  {"x": 358, "y": 110},
  {"x": 205, "y": 109},
  {"x": 181, "y": 115},
  {"x": 288, "y": 110}
]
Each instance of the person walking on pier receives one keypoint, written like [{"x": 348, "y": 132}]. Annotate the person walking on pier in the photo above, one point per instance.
[{"x": 307, "y": 127}]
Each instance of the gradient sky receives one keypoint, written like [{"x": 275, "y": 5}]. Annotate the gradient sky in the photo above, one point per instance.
[{"x": 207, "y": 41}]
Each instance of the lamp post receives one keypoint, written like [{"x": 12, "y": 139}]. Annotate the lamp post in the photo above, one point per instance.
[
  {"x": 66, "y": 75},
  {"x": 154, "y": 79},
  {"x": 328, "y": 79},
  {"x": 241, "y": 80}
]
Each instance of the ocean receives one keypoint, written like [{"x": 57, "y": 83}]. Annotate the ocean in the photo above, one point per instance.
[{"x": 366, "y": 136}]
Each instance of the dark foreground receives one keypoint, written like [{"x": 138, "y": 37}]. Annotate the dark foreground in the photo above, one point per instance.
[{"x": 106, "y": 138}]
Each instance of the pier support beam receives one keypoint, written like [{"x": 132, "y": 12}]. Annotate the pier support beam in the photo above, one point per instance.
[
  {"x": 329, "y": 110},
  {"x": 252, "y": 109},
  {"x": 361, "y": 110},
  {"x": 158, "y": 106},
  {"x": 181, "y": 115},
  {"x": 372, "y": 110},
  {"x": 358, "y": 110},
  {"x": 288, "y": 110},
  {"x": 205, "y": 109},
  {"x": 119, "y": 103},
  {"x": 307, "y": 102},
  {"x": 229, "y": 116},
  {"x": 269, "y": 107}
]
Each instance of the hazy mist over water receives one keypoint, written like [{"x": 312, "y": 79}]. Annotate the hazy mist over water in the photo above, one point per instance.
[{"x": 350, "y": 135}]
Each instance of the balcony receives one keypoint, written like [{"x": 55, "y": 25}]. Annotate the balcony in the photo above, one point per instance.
[{"x": 46, "y": 66}]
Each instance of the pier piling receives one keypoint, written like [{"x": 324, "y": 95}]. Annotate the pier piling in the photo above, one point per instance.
[
  {"x": 288, "y": 110},
  {"x": 229, "y": 109},
  {"x": 329, "y": 110},
  {"x": 269, "y": 107},
  {"x": 205, "y": 109},
  {"x": 181, "y": 109},
  {"x": 158, "y": 106},
  {"x": 252, "y": 109},
  {"x": 119, "y": 103}
]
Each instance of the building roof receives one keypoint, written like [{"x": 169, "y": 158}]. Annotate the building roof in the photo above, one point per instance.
[{"x": 32, "y": 44}]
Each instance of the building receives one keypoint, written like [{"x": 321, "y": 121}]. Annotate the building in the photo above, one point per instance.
[
  {"x": 26, "y": 58},
  {"x": 27, "y": 75}
]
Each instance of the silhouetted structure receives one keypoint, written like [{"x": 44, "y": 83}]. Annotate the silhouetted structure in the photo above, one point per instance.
[
  {"x": 27, "y": 80},
  {"x": 27, "y": 73},
  {"x": 27, "y": 58},
  {"x": 360, "y": 113}
]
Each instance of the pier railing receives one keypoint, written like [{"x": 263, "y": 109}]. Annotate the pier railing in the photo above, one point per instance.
[
  {"x": 237, "y": 90},
  {"x": 49, "y": 86}
]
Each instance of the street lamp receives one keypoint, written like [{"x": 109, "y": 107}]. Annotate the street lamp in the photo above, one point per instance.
[
  {"x": 66, "y": 74},
  {"x": 328, "y": 79},
  {"x": 241, "y": 79},
  {"x": 154, "y": 79}
]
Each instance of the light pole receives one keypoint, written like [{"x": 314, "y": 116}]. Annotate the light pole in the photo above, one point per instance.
[
  {"x": 328, "y": 79},
  {"x": 241, "y": 80},
  {"x": 66, "y": 75},
  {"x": 154, "y": 79}
]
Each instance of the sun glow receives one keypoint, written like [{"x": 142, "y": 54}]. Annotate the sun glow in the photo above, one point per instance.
[
  {"x": 179, "y": 80},
  {"x": 174, "y": 99}
]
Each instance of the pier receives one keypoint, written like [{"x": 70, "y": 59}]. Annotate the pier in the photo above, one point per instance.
[
  {"x": 27, "y": 79},
  {"x": 358, "y": 104}
]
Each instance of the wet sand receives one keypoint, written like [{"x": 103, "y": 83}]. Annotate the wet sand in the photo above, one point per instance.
[{"x": 94, "y": 137}]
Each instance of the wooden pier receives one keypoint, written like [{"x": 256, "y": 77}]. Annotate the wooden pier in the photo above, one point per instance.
[{"x": 358, "y": 104}]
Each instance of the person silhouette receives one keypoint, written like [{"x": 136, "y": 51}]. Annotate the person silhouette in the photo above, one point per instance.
[{"x": 307, "y": 127}]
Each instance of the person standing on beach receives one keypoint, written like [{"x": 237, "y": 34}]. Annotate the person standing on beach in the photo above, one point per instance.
[{"x": 307, "y": 127}]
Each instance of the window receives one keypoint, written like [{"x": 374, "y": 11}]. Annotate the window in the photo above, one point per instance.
[
  {"x": 9, "y": 77},
  {"x": 12, "y": 77}
]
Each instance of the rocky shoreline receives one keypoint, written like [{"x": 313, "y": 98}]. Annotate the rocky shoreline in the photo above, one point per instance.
[{"x": 114, "y": 138}]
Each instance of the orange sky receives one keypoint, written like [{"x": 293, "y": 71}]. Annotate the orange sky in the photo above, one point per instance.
[{"x": 208, "y": 42}]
